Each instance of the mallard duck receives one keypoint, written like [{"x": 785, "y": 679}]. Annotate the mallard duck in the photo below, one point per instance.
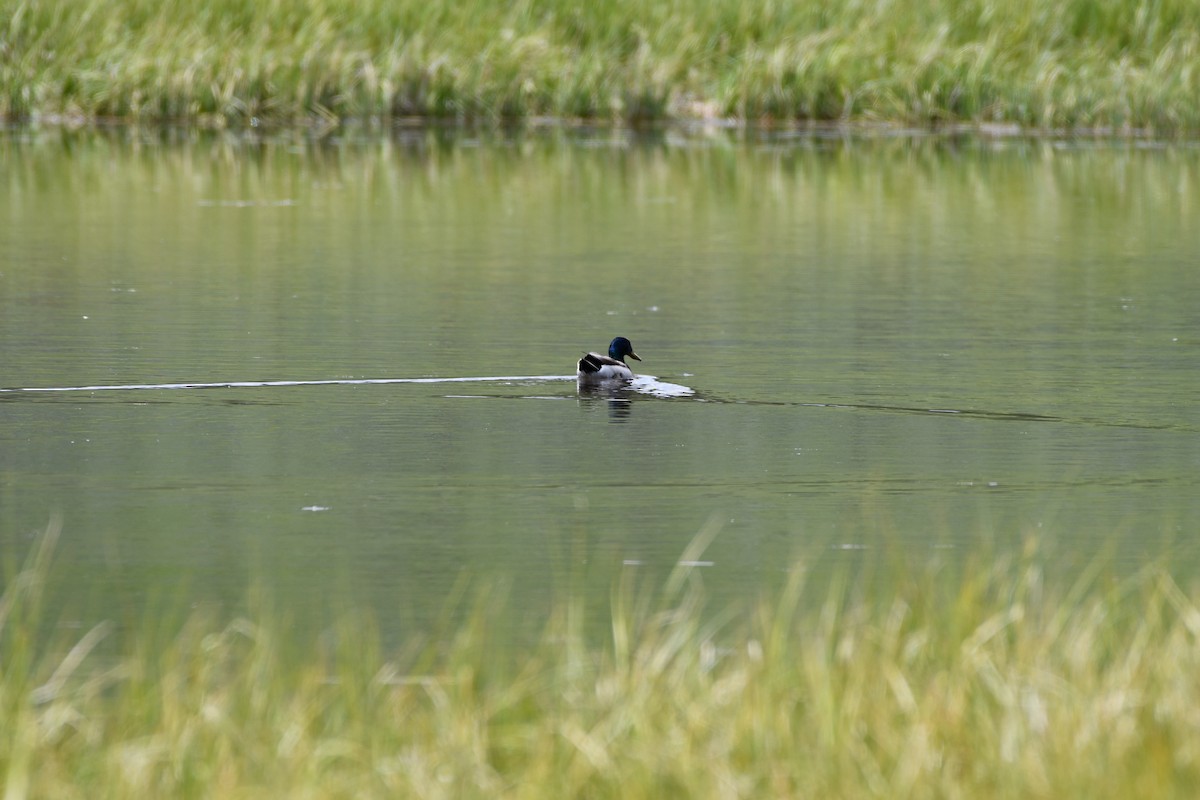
[{"x": 595, "y": 368}]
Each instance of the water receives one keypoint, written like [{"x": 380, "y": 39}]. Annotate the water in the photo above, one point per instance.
[{"x": 893, "y": 344}]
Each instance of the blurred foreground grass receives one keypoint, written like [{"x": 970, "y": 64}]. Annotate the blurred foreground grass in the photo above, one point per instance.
[
  {"x": 984, "y": 679},
  {"x": 1121, "y": 65}
]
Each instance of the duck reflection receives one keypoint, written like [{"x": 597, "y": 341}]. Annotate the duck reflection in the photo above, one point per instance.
[{"x": 617, "y": 400}]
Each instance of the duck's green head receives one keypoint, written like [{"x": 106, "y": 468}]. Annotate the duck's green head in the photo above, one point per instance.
[{"x": 620, "y": 348}]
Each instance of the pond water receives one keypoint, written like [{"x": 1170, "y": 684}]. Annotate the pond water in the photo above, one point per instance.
[{"x": 892, "y": 343}]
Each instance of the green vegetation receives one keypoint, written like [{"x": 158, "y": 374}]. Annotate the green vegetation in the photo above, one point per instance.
[
  {"x": 1077, "y": 64},
  {"x": 988, "y": 679}
]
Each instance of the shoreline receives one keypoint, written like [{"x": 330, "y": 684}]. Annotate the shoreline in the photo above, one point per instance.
[{"x": 698, "y": 128}]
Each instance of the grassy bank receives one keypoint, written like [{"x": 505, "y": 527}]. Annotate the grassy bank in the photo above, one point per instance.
[
  {"x": 1075, "y": 64},
  {"x": 989, "y": 680}
]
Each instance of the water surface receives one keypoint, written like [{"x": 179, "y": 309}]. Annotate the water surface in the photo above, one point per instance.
[{"x": 894, "y": 344}]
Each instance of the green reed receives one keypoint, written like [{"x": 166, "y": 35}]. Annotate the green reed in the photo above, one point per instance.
[
  {"x": 1078, "y": 64},
  {"x": 983, "y": 679}
]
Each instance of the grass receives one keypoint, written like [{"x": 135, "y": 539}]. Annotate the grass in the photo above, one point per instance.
[
  {"x": 988, "y": 679},
  {"x": 1123, "y": 65}
]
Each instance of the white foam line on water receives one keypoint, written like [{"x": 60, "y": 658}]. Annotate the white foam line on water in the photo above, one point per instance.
[{"x": 259, "y": 384}]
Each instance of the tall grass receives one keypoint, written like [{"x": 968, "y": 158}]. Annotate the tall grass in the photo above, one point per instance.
[
  {"x": 1074, "y": 64},
  {"x": 983, "y": 680}
]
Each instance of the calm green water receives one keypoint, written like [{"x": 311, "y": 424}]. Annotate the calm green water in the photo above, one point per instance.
[{"x": 830, "y": 302}]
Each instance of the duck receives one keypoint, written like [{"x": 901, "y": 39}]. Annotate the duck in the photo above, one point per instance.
[{"x": 594, "y": 368}]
